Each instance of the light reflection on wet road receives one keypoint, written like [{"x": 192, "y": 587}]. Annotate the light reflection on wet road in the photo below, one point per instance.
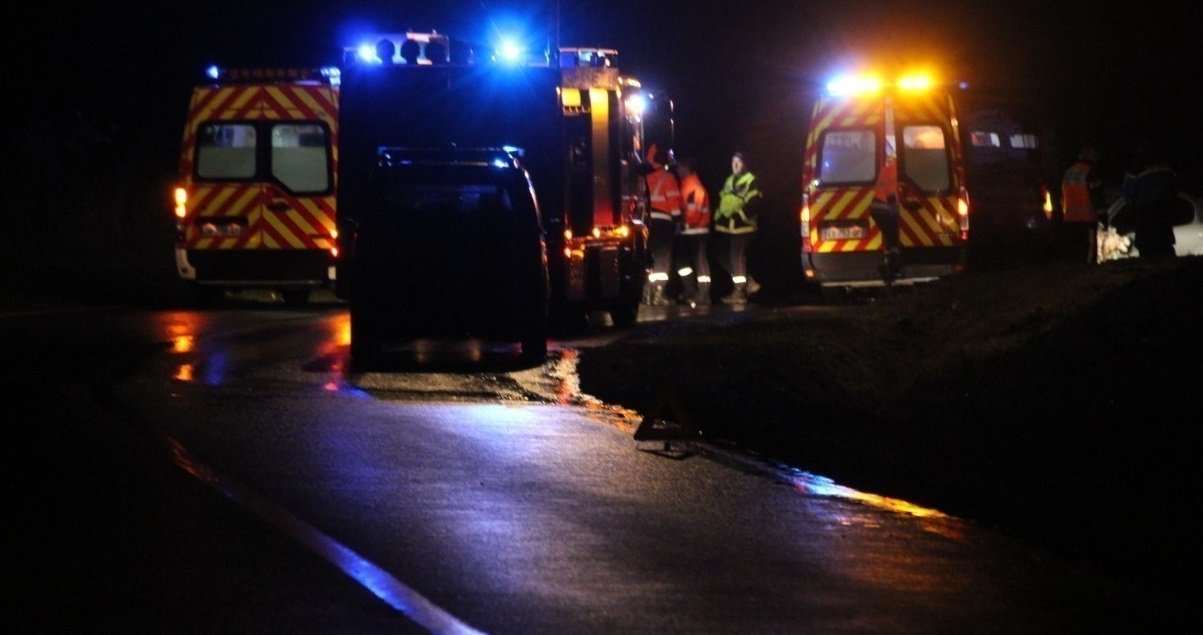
[{"x": 497, "y": 495}]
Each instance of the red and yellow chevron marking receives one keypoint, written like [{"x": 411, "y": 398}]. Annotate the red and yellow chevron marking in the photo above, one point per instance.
[
  {"x": 934, "y": 224},
  {"x": 307, "y": 222},
  {"x": 255, "y": 102}
]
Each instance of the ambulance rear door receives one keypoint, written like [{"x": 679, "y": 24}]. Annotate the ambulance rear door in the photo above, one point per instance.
[
  {"x": 259, "y": 165},
  {"x": 930, "y": 175}
]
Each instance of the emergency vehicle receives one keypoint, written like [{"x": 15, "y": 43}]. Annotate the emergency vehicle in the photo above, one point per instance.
[
  {"x": 564, "y": 114},
  {"x": 1008, "y": 180},
  {"x": 255, "y": 200},
  {"x": 864, "y": 128}
]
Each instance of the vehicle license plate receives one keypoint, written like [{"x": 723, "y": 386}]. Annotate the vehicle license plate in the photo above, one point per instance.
[
  {"x": 227, "y": 230},
  {"x": 847, "y": 232}
]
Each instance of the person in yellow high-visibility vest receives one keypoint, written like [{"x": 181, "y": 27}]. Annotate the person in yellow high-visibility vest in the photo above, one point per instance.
[{"x": 735, "y": 219}]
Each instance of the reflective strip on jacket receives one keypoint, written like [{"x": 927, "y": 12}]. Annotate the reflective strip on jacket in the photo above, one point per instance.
[{"x": 737, "y": 203}]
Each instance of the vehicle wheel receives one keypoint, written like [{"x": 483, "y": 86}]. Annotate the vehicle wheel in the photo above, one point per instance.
[
  {"x": 624, "y": 315},
  {"x": 295, "y": 297}
]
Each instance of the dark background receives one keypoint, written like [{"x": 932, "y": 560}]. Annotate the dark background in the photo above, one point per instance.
[{"x": 101, "y": 91}]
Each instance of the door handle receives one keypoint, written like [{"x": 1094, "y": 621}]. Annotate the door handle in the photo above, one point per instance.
[{"x": 278, "y": 206}]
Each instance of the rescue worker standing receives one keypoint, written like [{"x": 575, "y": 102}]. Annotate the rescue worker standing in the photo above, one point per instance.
[
  {"x": 664, "y": 216},
  {"x": 1150, "y": 188},
  {"x": 884, "y": 211},
  {"x": 1082, "y": 202},
  {"x": 735, "y": 219},
  {"x": 692, "y": 262}
]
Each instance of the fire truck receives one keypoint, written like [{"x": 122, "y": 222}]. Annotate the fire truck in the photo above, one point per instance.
[
  {"x": 255, "y": 198},
  {"x": 860, "y": 127},
  {"x": 564, "y": 113}
]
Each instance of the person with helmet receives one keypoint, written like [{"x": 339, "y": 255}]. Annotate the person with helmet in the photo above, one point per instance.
[
  {"x": 692, "y": 262},
  {"x": 1082, "y": 201},
  {"x": 735, "y": 219},
  {"x": 664, "y": 215}
]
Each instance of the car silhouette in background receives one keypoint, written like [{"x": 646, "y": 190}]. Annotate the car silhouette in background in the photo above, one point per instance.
[{"x": 1117, "y": 238}]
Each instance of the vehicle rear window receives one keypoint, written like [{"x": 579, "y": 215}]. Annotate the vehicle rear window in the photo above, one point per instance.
[
  {"x": 848, "y": 156},
  {"x": 299, "y": 157},
  {"x": 473, "y": 199},
  {"x": 924, "y": 158},
  {"x": 225, "y": 151}
]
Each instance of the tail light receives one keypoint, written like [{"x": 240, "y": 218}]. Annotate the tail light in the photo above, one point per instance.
[
  {"x": 804, "y": 223},
  {"x": 181, "y": 203},
  {"x": 963, "y": 213}
]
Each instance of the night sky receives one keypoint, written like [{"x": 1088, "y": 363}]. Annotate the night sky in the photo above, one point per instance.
[{"x": 742, "y": 74}]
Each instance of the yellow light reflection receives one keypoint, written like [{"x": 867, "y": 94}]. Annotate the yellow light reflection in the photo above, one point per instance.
[
  {"x": 340, "y": 329},
  {"x": 183, "y": 344},
  {"x": 936, "y": 522},
  {"x": 184, "y": 373}
]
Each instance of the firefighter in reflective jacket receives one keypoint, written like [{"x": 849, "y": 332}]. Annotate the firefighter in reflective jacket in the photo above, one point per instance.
[
  {"x": 1081, "y": 202},
  {"x": 734, "y": 225},
  {"x": 664, "y": 215},
  {"x": 884, "y": 211},
  {"x": 692, "y": 262}
]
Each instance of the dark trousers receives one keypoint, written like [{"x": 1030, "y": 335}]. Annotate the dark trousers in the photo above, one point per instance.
[
  {"x": 660, "y": 242},
  {"x": 691, "y": 253}
]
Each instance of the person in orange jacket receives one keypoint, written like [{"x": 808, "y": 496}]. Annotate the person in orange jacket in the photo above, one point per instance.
[
  {"x": 664, "y": 215},
  {"x": 691, "y": 261},
  {"x": 1082, "y": 202}
]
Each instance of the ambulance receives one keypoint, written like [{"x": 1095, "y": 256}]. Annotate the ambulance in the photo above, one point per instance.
[
  {"x": 254, "y": 203},
  {"x": 869, "y": 134}
]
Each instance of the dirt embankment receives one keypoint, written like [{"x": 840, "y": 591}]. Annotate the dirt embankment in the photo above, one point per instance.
[{"x": 1053, "y": 402}]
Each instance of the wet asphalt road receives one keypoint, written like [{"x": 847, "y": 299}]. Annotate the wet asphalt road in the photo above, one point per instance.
[{"x": 500, "y": 502}]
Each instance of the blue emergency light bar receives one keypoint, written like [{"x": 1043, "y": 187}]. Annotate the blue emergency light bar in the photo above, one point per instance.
[{"x": 322, "y": 74}]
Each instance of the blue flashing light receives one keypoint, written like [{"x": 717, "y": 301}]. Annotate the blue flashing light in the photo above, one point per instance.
[
  {"x": 500, "y": 163},
  {"x": 510, "y": 52},
  {"x": 213, "y": 72},
  {"x": 367, "y": 53}
]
